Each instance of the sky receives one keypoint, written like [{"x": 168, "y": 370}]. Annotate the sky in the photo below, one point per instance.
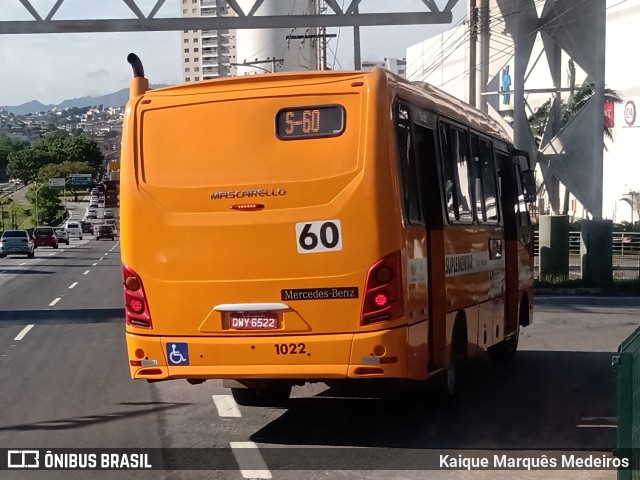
[{"x": 51, "y": 68}]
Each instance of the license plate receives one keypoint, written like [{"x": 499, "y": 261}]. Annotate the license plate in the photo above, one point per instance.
[{"x": 253, "y": 321}]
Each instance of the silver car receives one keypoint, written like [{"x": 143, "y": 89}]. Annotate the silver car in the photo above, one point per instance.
[
  {"x": 16, "y": 242},
  {"x": 62, "y": 234}
]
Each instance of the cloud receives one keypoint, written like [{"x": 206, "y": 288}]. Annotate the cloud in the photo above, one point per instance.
[{"x": 98, "y": 74}]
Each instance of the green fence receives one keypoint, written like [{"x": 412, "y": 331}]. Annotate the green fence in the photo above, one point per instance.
[{"x": 628, "y": 372}]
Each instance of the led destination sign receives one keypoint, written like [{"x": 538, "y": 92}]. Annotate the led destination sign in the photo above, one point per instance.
[{"x": 310, "y": 122}]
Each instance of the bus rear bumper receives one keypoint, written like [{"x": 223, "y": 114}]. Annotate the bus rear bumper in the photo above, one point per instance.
[{"x": 381, "y": 354}]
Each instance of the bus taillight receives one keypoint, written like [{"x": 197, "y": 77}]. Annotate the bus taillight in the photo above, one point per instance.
[
  {"x": 135, "y": 300},
  {"x": 383, "y": 290}
]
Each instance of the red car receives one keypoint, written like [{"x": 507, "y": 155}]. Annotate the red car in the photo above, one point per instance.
[{"x": 45, "y": 237}]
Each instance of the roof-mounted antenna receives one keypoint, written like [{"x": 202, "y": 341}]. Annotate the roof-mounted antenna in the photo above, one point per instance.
[{"x": 139, "y": 84}]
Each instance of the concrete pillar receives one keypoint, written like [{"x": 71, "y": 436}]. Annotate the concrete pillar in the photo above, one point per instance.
[
  {"x": 553, "y": 243},
  {"x": 595, "y": 252}
]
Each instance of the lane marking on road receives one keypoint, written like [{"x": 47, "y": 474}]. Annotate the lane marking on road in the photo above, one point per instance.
[
  {"x": 226, "y": 406},
  {"x": 55, "y": 301},
  {"x": 23, "y": 332},
  {"x": 73, "y": 285},
  {"x": 101, "y": 258},
  {"x": 596, "y": 426},
  {"x": 51, "y": 254},
  {"x": 23, "y": 263},
  {"x": 106, "y": 253},
  {"x": 249, "y": 460},
  {"x": 94, "y": 264},
  {"x": 86, "y": 272}
]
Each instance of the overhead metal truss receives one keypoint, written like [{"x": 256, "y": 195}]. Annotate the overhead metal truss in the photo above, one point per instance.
[{"x": 350, "y": 17}]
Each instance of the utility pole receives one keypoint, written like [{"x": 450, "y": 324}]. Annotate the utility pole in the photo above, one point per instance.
[
  {"x": 473, "y": 40},
  {"x": 357, "y": 62},
  {"x": 484, "y": 30},
  {"x": 321, "y": 56}
]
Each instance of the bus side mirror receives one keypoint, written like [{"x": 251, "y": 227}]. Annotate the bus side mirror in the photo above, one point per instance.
[{"x": 529, "y": 186}]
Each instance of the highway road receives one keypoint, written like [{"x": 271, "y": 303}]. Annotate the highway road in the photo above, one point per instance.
[{"x": 65, "y": 384}]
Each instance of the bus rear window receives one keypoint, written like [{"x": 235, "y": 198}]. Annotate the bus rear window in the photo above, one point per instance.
[
  {"x": 310, "y": 122},
  {"x": 233, "y": 142}
]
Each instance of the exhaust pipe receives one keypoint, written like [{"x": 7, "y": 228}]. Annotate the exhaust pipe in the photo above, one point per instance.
[{"x": 139, "y": 84}]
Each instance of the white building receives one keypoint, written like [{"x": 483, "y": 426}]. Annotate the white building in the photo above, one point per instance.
[
  {"x": 207, "y": 54},
  {"x": 443, "y": 61}
]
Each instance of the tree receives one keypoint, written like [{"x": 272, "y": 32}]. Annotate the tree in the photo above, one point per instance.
[
  {"x": 56, "y": 148},
  {"x": 24, "y": 164},
  {"x": 7, "y": 146},
  {"x": 633, "y": 199},
  {"x": 65, "y": 170},
  {"x": 49, "y": 208}
]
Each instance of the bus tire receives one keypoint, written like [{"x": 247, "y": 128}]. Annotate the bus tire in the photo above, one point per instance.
[
  {"x": 505, "y": 350},
  {"x": 450, "y": 381},
  {"x": 275, "y": 395}
]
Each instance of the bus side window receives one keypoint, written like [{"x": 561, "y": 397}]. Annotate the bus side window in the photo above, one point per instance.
[
  {"x": 522, "y": 212},
  {"x": 461, "y": 161},
  {"x": 426, "y": 157},
  {"x": 408, "y": 171},
  {"x": 448, "y": 173},
  {"x": 484, "y": 178}
]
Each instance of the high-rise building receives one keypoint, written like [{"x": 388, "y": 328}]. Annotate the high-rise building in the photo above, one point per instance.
[{"x": 207, "y": 54}]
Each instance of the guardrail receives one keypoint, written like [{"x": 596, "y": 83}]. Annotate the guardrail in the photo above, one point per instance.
[{"x": 625, "y": 248}]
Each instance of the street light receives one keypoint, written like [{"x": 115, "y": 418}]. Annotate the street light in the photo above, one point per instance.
[{"x": 37, "y": 190}]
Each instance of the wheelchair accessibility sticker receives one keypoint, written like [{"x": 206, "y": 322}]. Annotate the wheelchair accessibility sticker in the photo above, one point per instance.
[{"x": 178, "y": 353}]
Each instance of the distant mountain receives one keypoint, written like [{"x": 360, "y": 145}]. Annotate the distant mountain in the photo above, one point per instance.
[{"x": 116, "y": 99}]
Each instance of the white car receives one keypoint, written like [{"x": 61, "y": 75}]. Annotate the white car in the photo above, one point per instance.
[{"x": 74, "y": 229}]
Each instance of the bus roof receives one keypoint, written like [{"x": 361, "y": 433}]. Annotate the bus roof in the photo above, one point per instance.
[{"x": 421, "y": 93}]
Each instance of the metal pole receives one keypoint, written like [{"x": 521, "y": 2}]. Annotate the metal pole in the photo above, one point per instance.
[
  {"x": 357, "y": 62},
  {"x": 473, "y": 38},
  {"x": 481, "y": 86}
]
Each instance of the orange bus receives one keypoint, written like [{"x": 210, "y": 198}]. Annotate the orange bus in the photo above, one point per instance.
[{"x": 321, "y": 226}]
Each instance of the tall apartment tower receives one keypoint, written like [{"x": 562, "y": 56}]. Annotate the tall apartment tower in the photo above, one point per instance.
[{"x": 207, "y": 54}]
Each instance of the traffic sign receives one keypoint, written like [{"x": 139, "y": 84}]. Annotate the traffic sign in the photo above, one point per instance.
[
  {"x": 57, "y": 182},
  {"x": 80, "y": 180}
]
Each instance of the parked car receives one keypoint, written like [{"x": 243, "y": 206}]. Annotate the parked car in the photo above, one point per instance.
[
  {"x": 108, "y": 213},
  {"x": 45, "y": 237},
  {"x": 105, "y": 231},
  {"x": 63, "y": 236},
  {"x": 86, "y": 227},
  {"x": 16, "y": 242},
  {"x": 74, "y": 229}
]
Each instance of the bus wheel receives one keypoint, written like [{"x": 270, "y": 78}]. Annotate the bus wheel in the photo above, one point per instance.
[
  {"x": 274, "y": 395},
  {"x": 505, "y": 350},
  {"x": 450, "y": 381}
]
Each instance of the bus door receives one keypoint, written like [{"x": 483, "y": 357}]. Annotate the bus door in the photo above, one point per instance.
[
  {"x": 416, "y": 154},
  {"x": 426, "y": 157},
  {"x": 518, "y": 235},
  {"x": 484, "y": 192}
]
